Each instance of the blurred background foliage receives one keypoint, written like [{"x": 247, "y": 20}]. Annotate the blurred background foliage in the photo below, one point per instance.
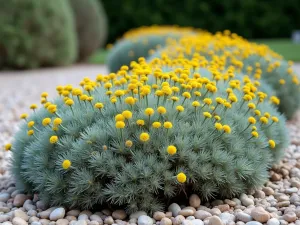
[
  {"x": 61, "y": 32},
  {"x": 249, "y": 18}
]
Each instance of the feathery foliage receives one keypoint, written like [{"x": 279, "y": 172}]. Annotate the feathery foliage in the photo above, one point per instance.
[
  {"x": 255, "y": 60},
  {"x": 36, "y": 33},
  {"x": 139, "y": 137}
]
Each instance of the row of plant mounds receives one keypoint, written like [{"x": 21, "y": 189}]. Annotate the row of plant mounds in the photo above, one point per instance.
[
  {"x": 151, "y": 132},
  {"x": 49, "y": 33},
  {"x": 255, "y": 60}
]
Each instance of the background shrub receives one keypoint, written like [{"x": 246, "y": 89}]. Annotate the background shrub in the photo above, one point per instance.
[
  {"x": 36, "y": 33},
  {"x": 91, "y": 26},
  {"x": 143, "y": 41},
  {"x": 255, "y": 60},
  {"x": 251, "y": 19}
]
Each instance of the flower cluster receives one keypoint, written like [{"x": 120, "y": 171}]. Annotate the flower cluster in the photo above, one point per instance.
[
  {"x": 150, "y": 132},
  {"x": 141, "y": 42},
  {"x": 255, "y": 60}
]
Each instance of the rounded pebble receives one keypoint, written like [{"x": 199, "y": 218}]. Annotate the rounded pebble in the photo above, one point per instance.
[
  {"x": 145, "y": 220},
  {"x": 57, "y": 214}
]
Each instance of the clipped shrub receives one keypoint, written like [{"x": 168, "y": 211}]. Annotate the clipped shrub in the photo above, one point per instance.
[
  {"x": 36, "y": 33},
  {"x": 255, "y": 60},
  {"x": 137, "y": 138},
  {"x": 91, "y": 26},
  {"x": 140, "y": 42}
]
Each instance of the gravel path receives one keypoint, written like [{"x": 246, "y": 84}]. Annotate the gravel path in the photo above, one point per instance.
[{"x": 278, "y": 203}]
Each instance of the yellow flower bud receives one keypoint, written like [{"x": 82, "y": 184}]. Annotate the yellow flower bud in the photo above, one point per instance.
[
  {"x": 171, "y": 149},
  {"x": 181, "y": 177}
]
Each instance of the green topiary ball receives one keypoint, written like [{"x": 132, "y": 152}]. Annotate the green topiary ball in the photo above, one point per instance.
[
  {"x": 91, "y": 26},
  {"x": 141, "y": 137},
  {"x": 36, "y": 33}
]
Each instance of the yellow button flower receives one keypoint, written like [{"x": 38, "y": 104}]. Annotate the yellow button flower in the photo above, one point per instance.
[
  {"x": 30, "y": 124},
  {"x": 272, "y": 144},
  {"x": 168, "y": 125},
  {"x": 127, "y": 114},
  {"x": 282, "y": 81},
  {"x": 140, "y": 122},
  {"x": 174, "y": 98},
  {"x": 252, "y": 120},
  {"x": 181, "y": 177},
  {"x": 57, "y": 121},
  {"x": 46, "y": 121},
  {"x": 30, "y": 132},
  {"x": 128, "y": 143},
  {"x": 33, "y": 106},
  {"x": 161, "y": 110},
  {"x": 275, "y": 100},
  {"x": 144, "y": 137},
  {"x": 207, "y": 101},
  {"x": 7, "y": 147},
  {"x": 53, "y": 139},
  {"x": 254, "y": 134},
  {"x": 217, "y": 118},
  {"x": 251, "y": 106},
  {"x": 66, "y": 164},
  {"x": 257, "y": 112},
  {"x": 149, "y": 111},
  {"x": 197, "y": 93},
  {"x": 77, "y": 92},
  {"x": 23, "y": 116},
  {"x": 218, "y": 126},
  {"x": 195, "y": 104},
  {"x": 186, "y": 95},
  {"x": 267, "y": 115},
  {"x": 180, "y": 108},
  {"x": 264, "y": 120},
  {"x": 156, "y": 124},
  {"x": 219, "y": 100},
  {"x": 275, "y": 119},
  {"x": 99, "y": 105},
  {"x": 130, "y": 100},
  {"x": 247, "y": 97},
  {"x": 119, "y": 93},
  {"x": 52, "y": 108},
  {"x": 119, "y": 117},
  {"x": 171, "y": 149},
  {"x": 207, "y": 115},
  {"x": 44, "y": 95},
  {"x": 120, "y": 124},
  {"x": 88, "y": 88},
  {"x": 227, "y": 129},
  {"x": 107, "y": 85}
]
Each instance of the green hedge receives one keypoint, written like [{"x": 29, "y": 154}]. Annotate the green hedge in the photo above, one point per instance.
[
  {"x": 36, "y": 33},
  {"x": 250, "y": 19},
  {"x": 91, "y": 26}
]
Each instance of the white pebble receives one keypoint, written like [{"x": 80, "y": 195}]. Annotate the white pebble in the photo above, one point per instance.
[
  {"x": 145, "y": 220},
  {"x": 57, "y": 214}
]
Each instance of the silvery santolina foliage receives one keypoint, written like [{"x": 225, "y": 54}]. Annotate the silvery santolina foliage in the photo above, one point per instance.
[
  {"x": 140, "y": 137},
  {"x": 256, "y": 60}
]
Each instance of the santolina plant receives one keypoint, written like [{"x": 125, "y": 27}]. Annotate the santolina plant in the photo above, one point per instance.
[
  {"x": 139, "y": 137},
  {"x": 255, "y": 60},
  {"x": 141, "y": 42}
]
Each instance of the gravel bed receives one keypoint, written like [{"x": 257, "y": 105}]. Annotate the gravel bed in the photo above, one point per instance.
[{"x": 278, "y": 202}]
